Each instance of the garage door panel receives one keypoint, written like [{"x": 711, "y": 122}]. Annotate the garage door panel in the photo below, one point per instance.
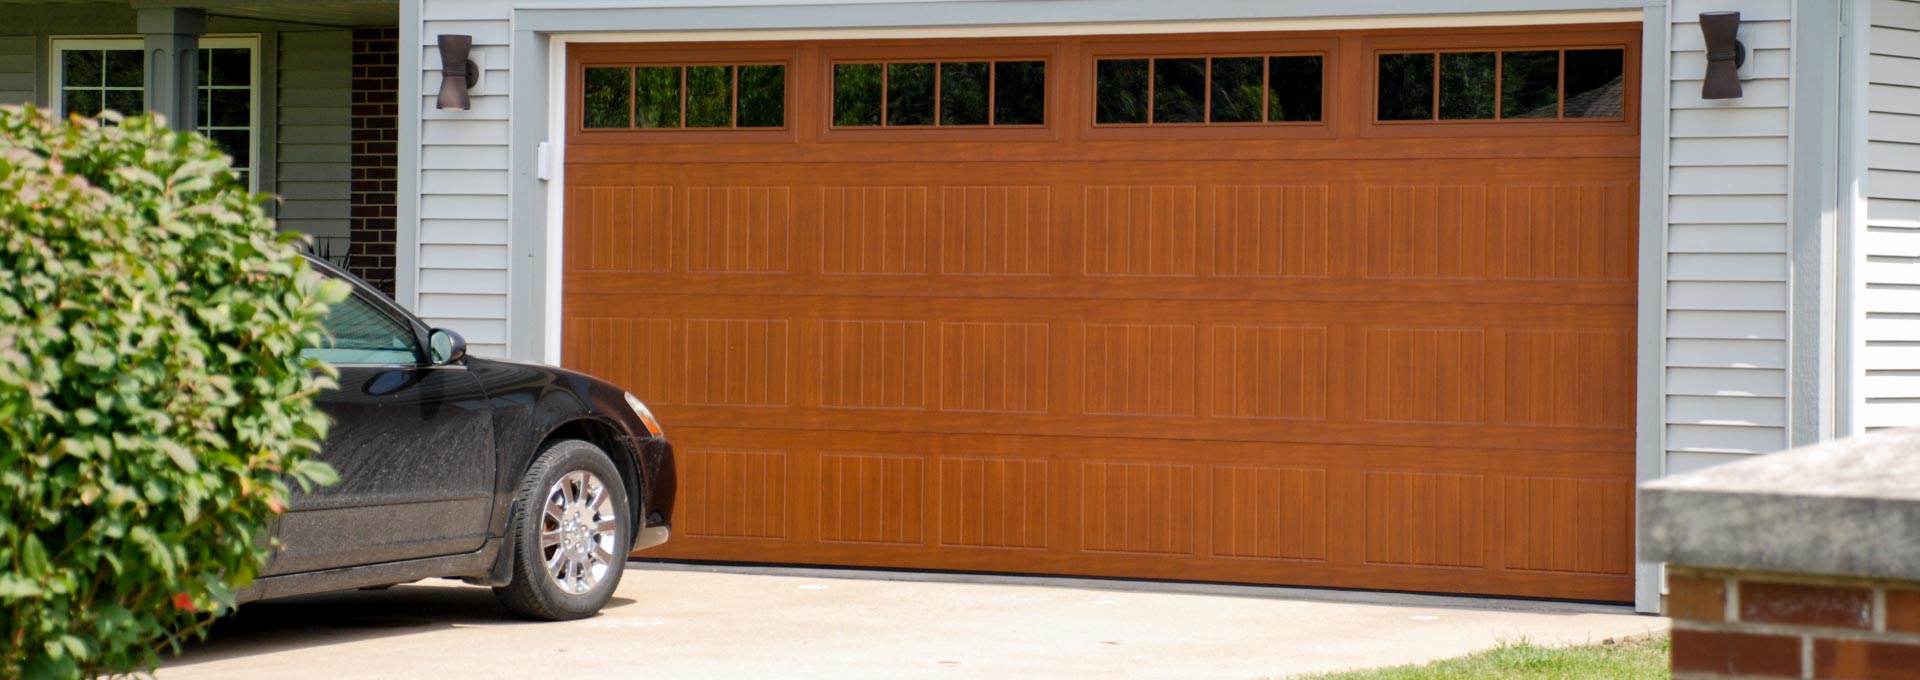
[
  {"x": 1269, "y": 382},
  {"x": 1345, "y": 353},
  {"x": 1225, "y": 232},
  {"x": 1271, "y": 514}
]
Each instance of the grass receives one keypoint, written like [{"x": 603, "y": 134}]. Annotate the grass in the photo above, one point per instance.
[{"x": 1630, "y": 658}]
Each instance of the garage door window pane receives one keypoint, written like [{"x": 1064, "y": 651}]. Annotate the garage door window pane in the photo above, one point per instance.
[
  {"x": 763, "y": 96},
  {"x": 1293, "y": 89},
  {"x": 910, "y": 95},
  {"x": 1595, "y": 83},
  {"x": 1122, "y": 91},
  {"x": 1467, "y": 85},
  {"x": 709, "y": 96},
  {"x": 1020, "y": 93},
  {"x": 1406, "y": 86},
  {"x": 856, "y": 94},
  {"x": 963, "y": 92},
  {"x": 1179, "y": 90},
  {"x": 1530, "y": 85},
  {"x": 608, "y": 98},
  {"x": 657, "y": 96},
  {"x": 1238, "y": 90}
]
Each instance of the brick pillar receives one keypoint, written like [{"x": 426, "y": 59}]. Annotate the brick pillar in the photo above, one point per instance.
[
  {"x": 1735, "y": 624},
  {"x": 376, "y": 159}
]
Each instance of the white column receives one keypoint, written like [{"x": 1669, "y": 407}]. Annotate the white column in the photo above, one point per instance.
[{"x": 172, "y": 38}]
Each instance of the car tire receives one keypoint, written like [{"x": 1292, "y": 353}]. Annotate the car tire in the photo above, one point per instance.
[{"x": 564, "y": 566}]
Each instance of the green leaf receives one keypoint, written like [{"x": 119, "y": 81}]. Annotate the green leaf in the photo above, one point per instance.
[
  {"x": 33, "y": 557},
  {"x": 14, "y": 587}
]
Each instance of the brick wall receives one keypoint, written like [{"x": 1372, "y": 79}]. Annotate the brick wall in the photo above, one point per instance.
[
  {"x": 376, "y": 140},
  {"x": 1731, "y": 624}
]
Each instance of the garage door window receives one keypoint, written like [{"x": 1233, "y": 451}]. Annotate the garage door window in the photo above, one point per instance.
[
  {"x": 1202, "y": 90},
  {"x": 940, "y": 94},
  {"x": 1502, "y": 85},
  {"x": 685, "y": 96}
]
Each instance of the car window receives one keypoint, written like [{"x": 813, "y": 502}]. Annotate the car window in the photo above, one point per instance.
[{"x": 360, "y": 334}]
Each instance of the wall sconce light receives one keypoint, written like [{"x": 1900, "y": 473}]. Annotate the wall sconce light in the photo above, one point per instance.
[
  {"x": 457, "y": 73},
  {"x": 1725, "y": 55}
]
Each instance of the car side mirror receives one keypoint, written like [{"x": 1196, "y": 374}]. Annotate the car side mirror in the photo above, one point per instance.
[{"x": 446, "y": 346}]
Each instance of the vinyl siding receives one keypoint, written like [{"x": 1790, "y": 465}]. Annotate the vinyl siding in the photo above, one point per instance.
[
  {"x": 313, "y": 138},
  {"x": 1889, "y": 272},
  {"x": 18, "y": 64},
  {"x": 1727, "y": 292},
  {"x": 463, "y": 180}
]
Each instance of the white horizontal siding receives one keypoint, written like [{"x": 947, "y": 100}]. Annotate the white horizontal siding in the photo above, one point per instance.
[
  {"x": 1889, "y": 356},
  {"x": 1727, "y": 182},
  {"x": 463, "y": 181},
  {"x": 18, "y": 65}
]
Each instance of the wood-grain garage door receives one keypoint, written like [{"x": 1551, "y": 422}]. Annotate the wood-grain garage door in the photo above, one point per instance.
[{"x": 1330, "y": 309}]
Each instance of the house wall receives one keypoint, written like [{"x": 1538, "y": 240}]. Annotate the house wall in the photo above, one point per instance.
[
  {"x": 305, "y": 74},
  {"x": 462, "y": 229},
  {"x": 19, "y": 59},
  {"x": 1889, "y": 273},
  {"x": 312, "y": 145},
  {"x": 1727, "y": 264}
]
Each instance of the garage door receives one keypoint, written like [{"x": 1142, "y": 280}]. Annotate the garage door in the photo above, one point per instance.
[{"x": 1349, "y": 309}]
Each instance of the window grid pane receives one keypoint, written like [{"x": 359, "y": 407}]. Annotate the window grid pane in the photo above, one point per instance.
[
  {"x": 684, "y": 96},
  {"x": 226, "y": 104},
  {"x": 939, "y": 94},
  {"x": 93, "y": 80},
  {"x": 1508, "y": 85},
  {"x": 1218, "y": 90}
]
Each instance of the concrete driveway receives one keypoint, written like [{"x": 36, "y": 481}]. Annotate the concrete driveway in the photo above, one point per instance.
[{"x": 676, "y": 621}]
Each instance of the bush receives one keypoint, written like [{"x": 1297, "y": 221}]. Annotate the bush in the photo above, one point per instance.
[{"x": 153, "y": 400}]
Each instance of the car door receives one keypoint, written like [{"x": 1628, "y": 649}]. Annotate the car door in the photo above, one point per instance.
[{"x": 412, "y": 441}]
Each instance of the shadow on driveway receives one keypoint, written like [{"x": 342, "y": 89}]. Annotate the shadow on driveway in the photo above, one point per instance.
[{"x": 325, "y": 619}]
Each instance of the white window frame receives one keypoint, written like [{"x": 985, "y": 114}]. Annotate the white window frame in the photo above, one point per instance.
[{"x": 57, "y": 78}]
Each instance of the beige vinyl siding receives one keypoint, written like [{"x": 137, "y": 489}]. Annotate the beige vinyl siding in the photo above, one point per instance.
[
  {"x": 463, "y": 180},
  {"x": 1727, "y": 264},
  {"x": 19, "y": 62},
  {"x": 314, "y": 134},
  {"x": 1890, "y": 273}
]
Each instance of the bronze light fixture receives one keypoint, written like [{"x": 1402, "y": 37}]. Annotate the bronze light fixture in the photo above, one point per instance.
[
  {"x": 457, "y": 73},
  {"x": 1725, "y": 55}
]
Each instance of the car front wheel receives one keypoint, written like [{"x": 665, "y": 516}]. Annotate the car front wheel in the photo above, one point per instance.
[{"x": 571, "y": 531}]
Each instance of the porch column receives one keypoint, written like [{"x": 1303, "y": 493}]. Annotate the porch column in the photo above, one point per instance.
[{"x": 172, "y": 37}]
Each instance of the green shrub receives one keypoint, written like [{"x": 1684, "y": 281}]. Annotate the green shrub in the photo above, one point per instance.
[{"x": 153, "y": 400}]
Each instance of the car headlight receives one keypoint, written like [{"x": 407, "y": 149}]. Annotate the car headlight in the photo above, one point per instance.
[{"x": 646, "y": 416}]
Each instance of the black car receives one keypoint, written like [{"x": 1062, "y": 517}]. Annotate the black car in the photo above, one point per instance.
[{"x": 531, "y": 479}]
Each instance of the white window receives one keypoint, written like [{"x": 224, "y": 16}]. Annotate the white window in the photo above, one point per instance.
[{"x": 95, "y": 74}]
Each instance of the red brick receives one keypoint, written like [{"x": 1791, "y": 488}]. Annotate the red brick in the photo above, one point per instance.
[
  {"x": 1698, "y": 651},
  {"x": 1865, "y": 660},
  {"x": 1903, "y": 610},
  {"x": 1806, "y": 605},
  {"x": 1695, "y": 597}
]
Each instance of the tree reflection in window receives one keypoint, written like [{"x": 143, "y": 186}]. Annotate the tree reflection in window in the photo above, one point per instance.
[
  {"x": 940, "y": 94},
  {"x": 1207, "y": 90},
  {"x": 1535, "y": 84},
  {"x": 702, "y": 96}
]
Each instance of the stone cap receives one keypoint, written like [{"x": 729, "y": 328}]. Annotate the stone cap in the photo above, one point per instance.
[{"x": 1847, "y": 507}]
